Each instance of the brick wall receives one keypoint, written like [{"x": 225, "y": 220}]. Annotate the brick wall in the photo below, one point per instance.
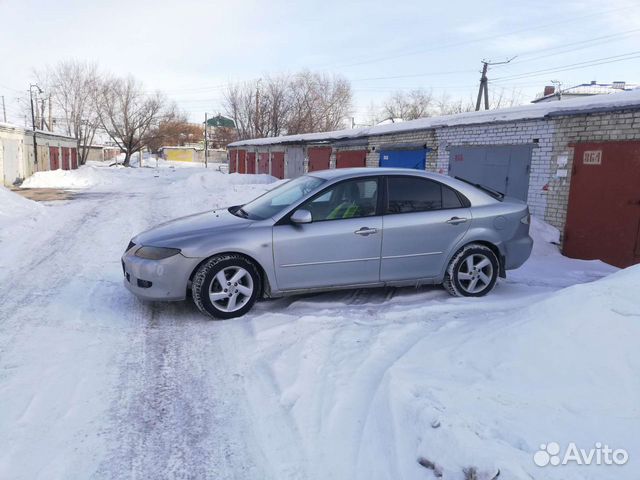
[{"x": 595, "y": 127}]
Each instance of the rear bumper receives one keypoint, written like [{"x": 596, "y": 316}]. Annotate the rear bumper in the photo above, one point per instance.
[
  {"x": 169, "y": 277},
  {"x": 517, "y": 251}
]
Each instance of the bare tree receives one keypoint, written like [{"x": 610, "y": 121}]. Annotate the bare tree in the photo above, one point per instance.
[
  {"x": 273, "y": 106},
  {"x": 408, "y": 105},
  {"x": 319, "y": 103},
  {"x": 72, "y": 86},
  {"x": 128, "y": 114}
]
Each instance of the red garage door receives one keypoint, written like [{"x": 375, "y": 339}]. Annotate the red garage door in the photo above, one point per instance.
[
  {"x": 351, "y": 158},
  {"x": 263, "y": 162},
  {"x": 232, "y": 160},
  {"x": 603, "y": 216},
  {"x": 65, "y": 158},
  {"x": 319, "y": 158},
  {"x": 74, "y": 158},
  {"x": 54, "y": 158},
  {"x": 277, "y": 164},
  {"x": 242, "y": 163},
  {"x": 251, "y": 162}
]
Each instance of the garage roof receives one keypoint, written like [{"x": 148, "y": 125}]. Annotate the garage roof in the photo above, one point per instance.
[{"x": 598, "y": 103}]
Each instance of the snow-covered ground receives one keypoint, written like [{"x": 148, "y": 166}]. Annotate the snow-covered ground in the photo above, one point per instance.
[{"x": 356, "y": 384}]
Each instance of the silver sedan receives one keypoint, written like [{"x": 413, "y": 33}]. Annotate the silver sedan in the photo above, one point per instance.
[{"x": 334, "y": 229}]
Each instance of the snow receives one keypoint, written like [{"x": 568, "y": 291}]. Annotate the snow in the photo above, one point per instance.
[
  {"x": 522, "y": 112},
  {"x": 355, "y": 384}
]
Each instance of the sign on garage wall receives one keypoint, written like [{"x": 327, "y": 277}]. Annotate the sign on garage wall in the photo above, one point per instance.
[{"x": 592, "y": 157}]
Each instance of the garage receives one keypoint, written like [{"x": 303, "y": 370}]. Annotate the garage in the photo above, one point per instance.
[
  {"x": 504, "y": 168},
  {"x": 603, "y": 214},
  {"x": 277, "y": 164},
  {"x": 351, "y": 158},
  {"x": 74, "y": 158},
  {"x": 319, "y": 158},
  {"x": 263, "y": 162},
  {"x": 294, "y": 162},
  {"x": 404, "y": 156}
]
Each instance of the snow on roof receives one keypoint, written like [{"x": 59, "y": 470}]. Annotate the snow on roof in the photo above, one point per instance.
[
  {"x": 596, "y": 103},
  {"x": 25, "y": 130},
  {"x": 592, "y": 89}
]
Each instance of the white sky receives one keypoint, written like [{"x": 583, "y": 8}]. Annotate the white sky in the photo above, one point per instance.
[{"x": 189, "y": 49}]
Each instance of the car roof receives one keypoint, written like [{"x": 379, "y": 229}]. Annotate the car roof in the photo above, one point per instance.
[{"x": 477, "y": 196}]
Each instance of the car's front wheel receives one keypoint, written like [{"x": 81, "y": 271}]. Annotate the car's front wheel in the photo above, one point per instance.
[
  {"x": 226, "y": 286},
  {"x": 472, "y": 272}
]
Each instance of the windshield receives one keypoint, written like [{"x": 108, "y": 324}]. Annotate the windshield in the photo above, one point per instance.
[{"x": 276, "y": 200}]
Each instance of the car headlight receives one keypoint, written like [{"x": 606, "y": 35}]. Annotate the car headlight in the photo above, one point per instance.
[{"x": 156, "y": 253}]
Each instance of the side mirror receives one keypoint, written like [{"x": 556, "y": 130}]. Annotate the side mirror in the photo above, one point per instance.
[{"x": 301, "y": 216}]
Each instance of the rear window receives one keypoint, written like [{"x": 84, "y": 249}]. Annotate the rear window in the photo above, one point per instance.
[{"x": 409, "y": 194}]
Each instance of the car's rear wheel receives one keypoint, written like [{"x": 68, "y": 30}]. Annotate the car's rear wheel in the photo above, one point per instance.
[
  {"x": 472, "y": 272},
  {"x": 226, "y": 286}
]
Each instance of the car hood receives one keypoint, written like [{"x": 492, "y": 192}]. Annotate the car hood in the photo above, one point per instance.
[{"x": 176, "y": 233}]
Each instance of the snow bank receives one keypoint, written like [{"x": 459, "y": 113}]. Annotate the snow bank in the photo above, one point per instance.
[
  {"x": 547, "y": 266},
  {"x": 461, "y": 385},
  {"x": 83, "y": 177},
  {"x": 214, "y": 180},
  {"x": 13, "y": 206}
]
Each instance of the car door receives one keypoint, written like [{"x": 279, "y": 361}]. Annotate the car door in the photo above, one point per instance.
[
  {"x": 423, "y": 220},
  {"x": 341, "y": 246}
]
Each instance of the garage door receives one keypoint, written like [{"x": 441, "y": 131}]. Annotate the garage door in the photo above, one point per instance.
[
  {"x": 277, "y": 164},
  {"x": 603, "y": 215},
  {"x": 504, "y": 168},
  {"x": 351, "y": 158},
  {"x": 251, "y": 162},
  {"x": 319, "y": 158},
  {"x": 54, "y": 158},
  {"x": 66, "y": 157},
  {"x": 294, "y": 165},
  {"x": 404, "y": 158},
  {"x": 232, "y": 161},
  {"x": 263, "y": 162},
  {"x": 242, "y": 161}
]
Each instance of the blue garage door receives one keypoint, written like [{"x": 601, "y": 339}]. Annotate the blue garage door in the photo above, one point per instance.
[{"x": 404, "y": 158}]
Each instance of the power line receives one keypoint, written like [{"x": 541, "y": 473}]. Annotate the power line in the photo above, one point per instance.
[
  {"x": 573, "y": 66},
  {"x": 476, "y": 40}
]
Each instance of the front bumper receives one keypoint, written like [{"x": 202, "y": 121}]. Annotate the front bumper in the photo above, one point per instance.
[{"x": 169, "y": 277}]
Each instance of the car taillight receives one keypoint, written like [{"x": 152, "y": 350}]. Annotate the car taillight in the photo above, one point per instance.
[{"x": 526, "y": 219}]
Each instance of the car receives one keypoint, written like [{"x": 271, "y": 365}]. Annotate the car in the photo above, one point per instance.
[{"x": 334, "y": 229}]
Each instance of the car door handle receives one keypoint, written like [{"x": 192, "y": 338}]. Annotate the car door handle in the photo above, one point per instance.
[
  {"x": 456, "y": 220},
  {"x": 364, "y": 231}
]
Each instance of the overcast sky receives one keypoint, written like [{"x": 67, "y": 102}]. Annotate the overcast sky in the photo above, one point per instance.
[{"x": 190, "y": 49}]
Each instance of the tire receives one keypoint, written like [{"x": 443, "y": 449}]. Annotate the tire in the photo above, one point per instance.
[
  {"x": 217, "y": 295},
  {"x": 472, "y": 272}
]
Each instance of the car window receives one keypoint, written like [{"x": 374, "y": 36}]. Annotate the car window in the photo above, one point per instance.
[
  {"x": 276, "y": 200},
  {"x": 350, "y": 199},
  {"x": 407, "y": 194}
]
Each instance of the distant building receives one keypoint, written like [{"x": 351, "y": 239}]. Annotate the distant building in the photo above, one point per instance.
[
  {"x": 552, "y": 94},
  {"x": 17, "y": 157}
]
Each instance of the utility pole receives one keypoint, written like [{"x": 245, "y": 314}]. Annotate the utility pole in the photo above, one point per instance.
[
  {"x": 50, "y": 119},
  {"x": 33, "y": 123},
  {"x": 206, "y": 141},
  {"x": 4, "y": 110},
  {"x": 484, "y": 83}
]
